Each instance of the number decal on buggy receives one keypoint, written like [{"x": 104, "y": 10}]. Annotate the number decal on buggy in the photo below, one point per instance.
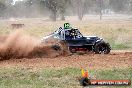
[{"x": 66, "y": 25}]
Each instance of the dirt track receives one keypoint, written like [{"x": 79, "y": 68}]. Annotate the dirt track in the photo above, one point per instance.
[
  {"x": 117, "y": 59},
  {"x": 16, "y": 45}
]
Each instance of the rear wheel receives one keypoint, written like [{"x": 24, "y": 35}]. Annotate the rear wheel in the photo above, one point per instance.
[
  {"x": 56, "y": 47},
  {"x": 102, "y": 48},
  {"x": 72, "y": 49},
  {"x": 61, "y": 46}
]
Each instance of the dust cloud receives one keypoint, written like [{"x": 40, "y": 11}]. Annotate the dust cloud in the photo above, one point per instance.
[{"x": 18, "y": 45}]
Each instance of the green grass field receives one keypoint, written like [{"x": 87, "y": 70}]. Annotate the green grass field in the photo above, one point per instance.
[{"x": 51, "y": 78}]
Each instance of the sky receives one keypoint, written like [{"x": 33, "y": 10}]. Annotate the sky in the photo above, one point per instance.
[{"x": 15, "y": 1}]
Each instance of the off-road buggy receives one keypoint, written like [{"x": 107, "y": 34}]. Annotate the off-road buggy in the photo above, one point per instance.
[{"x": 75, "y": 41}]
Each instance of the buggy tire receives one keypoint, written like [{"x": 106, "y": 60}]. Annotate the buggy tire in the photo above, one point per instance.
[
  {"x": 102, "y": 48},
  {"x": 72, "y": 49},
  {"x": 56, "y": 47}
]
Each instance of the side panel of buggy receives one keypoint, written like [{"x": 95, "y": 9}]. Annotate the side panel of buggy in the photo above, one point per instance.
[
  {"x": 73, "y": 37},
  {"x": 77, "y": 42}
]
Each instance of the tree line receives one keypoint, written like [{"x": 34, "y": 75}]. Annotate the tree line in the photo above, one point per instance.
[{"x": 62, "y": 8}]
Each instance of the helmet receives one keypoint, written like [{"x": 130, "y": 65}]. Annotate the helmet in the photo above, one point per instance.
[{"x": 67, "y": 26}]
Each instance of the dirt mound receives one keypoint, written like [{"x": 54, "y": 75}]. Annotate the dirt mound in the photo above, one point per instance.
[{"x": 18, "y": 45}]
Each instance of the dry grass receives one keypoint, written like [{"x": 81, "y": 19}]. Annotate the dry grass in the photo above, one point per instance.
[{"x": 117, "y": 32}]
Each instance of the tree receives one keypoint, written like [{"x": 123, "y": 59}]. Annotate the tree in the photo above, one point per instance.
[
  {"x": 79, "y": 7},
  {"x": 2, "y": 8},
  {"x": 118, "y": 5},
  {"x": 5, "y": 7},
  {"x": 52, "y": 6},
  {"x": 129, "y": 6},
  {"x": 100, "y": 5}
]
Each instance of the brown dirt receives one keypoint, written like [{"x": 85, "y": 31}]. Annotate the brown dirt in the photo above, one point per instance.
[
  {"x": 91, "y": 61},
  {"x": 33, "y": 54},
  {"x": 17, "y": 45}
]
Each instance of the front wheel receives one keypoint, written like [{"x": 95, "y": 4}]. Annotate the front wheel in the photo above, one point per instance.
[{"x": 102, "y": 48}]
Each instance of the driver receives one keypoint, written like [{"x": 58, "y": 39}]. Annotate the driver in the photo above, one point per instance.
[{"x": 69, "y": 33}]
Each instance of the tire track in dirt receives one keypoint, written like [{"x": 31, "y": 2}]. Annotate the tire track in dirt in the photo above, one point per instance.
[{"x": 90, "y": 61}]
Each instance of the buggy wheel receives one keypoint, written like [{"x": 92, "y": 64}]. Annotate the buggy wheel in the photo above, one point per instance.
[
  {"x": 61, "y": 47},
  {"x": 72, "y": 49},
  {"x": 102, "y": 48},
  {"x": 56, "y": 47}
]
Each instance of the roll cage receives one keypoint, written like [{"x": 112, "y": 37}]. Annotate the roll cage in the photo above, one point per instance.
[{"x": 67, "y": 34}]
